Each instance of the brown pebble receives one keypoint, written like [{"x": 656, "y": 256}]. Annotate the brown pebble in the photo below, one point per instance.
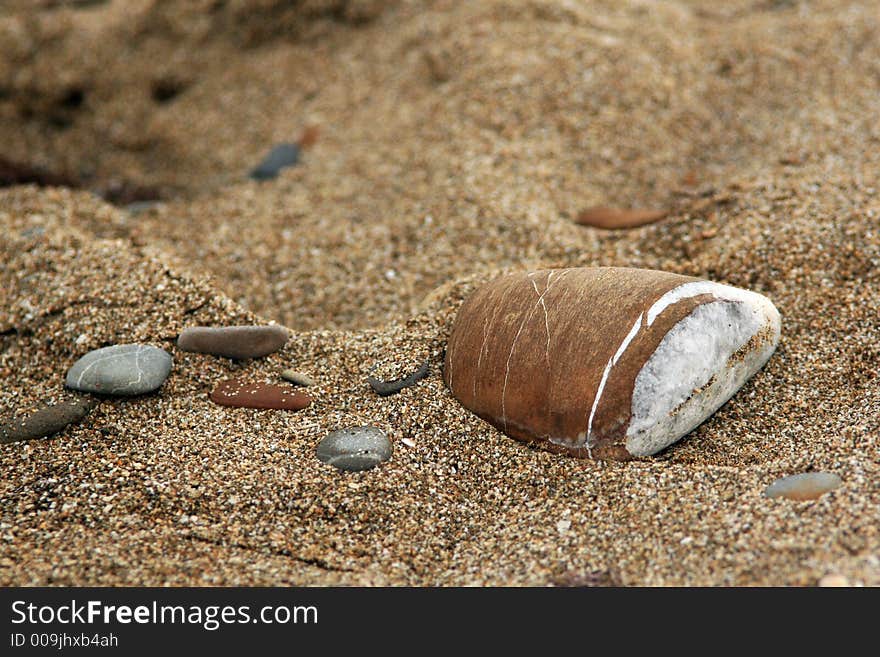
[
  {"x": 236, "y": 342},
  {"x": 309, "y": 136},
  {"x": 259, "y": 395},
  {"x": 615, "y": 218}
]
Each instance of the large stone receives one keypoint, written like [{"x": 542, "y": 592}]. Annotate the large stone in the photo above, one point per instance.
[
  {"x": 355, "y": 448},
  {"x": 123, "y": 369},
  {"x": 48, "y": 419},
  {"x": 605, "y": 362},
  {"x": 236, "y": 342}
]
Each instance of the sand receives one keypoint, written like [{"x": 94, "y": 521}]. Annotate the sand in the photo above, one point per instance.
[{"x": 456, "y": 141}]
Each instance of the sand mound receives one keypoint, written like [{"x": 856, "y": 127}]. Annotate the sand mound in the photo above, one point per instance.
[{"x": 457, "y": 140}]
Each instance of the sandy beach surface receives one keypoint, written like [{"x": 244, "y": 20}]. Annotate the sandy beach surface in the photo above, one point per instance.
[{"x": 455, "y": 141}]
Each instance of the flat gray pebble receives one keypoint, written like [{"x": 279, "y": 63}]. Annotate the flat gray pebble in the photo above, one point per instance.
[
  {"x": 236, "y": 342},
  {"x": 281, "y": 156},
  {"x": 355, "y": 448},
  {"x": 123, "y": 369},
  {"x": 805, "y": 486},
  {"x": 48, "y": 419}
]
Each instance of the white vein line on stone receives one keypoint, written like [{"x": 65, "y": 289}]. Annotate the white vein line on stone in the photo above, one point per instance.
[
  {"x": 93, "y": 363},
  {"x": 486, "y": 324},
  {"x": 546, "y": 318},
  {"x": 516, "y": 337},
  {"x": 137, "y": 366},
  {"x": 681, "y": 293},
  {"x": 611, "y": 363}
]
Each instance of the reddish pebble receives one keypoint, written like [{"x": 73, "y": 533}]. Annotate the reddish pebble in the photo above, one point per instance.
[
  {"x": 259, "y": 395},
  {"x": 611, "y": 218}
]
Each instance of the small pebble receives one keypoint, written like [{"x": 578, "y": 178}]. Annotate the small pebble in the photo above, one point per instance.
[
  {"x": 236, "y": 342},
  {"x": 385, "y": 388},
  {"x": 139, "y": 207},
  {"x": 123, "y": 369},
  {"x": 48, "y": 419},
  {"x": 805, "y": 486},
  {"x": 616, "y": 218},
  {"x": 834, "y": 580},
  {"x": 259, "y": 395},
  {"x": 283, "y": 155},
  {"x": 298, "y": 378},
  {"x": 355, "y": 448}
]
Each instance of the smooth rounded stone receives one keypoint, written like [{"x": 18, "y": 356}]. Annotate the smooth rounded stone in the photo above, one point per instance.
[
  {"x": 834, "y": 580},
  {"x": 298, "y": 378},
  {"x": 245, "y": 394},
  {"x": 46, "y": 420},
  {"x": 617, "y": 218},
  {"x": 236, "y": 342},
  {"x": 123, "y": 369},
  {"x": 605, "y": 362},
  {"x": 805, "y": 486},
  {"x": 355, "y": 448},
  {"x": 281, "y": 156}
]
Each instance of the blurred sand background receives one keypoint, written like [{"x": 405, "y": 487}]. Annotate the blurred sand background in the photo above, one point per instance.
[{"x": 455, "y": 140}]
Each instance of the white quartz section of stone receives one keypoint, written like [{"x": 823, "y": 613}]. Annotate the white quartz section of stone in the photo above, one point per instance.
[{"x": 690, "y": 374}]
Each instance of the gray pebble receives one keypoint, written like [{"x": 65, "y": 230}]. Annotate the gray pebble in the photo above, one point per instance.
[
  {"x": 298, "y": 378},
  {"x": 355, "y": 448},
  {"x": 139, "y": 207},
  {"x": 237, "y": 342},
  {"x": 123, "y": 369},
  {"x": 48, "y": 419},
  {"x": 283, "y": 155},
  {"x": 805, "y": 486}
]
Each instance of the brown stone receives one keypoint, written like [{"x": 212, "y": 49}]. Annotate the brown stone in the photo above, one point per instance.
[
  {"x": 554, "y": 356},
  {"x": 236, "y": 342},
  {"x": 247, "y": 394},
  {"x": 616, "y": 218}
]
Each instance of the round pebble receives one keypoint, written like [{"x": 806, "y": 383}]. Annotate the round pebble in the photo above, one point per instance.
[
  {"x": 283, "y": 155},
  {"x": 236, "y": 342},
  {"x": 123, "y": 369},
  {"x": 805, "y": 486},
  {"x": 259, "y": 395},
  {"x": 298, "y": 378},
  {"x": 834, "y": 580},
  {"x": 355, "y": 448},
  {"x": 48, "y": 419}
]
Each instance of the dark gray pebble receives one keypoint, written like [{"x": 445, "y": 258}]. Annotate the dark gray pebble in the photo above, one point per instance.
[
  {"x": 48, "y": 419},
  {"x": 283, "y": 155},
  {"x": 385, "y": 388},
  {"x": 355, "y": 448}
]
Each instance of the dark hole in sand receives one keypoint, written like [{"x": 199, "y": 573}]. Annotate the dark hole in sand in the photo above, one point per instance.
[
  {"x": 22, "y": 173},
  {"x": 73, "y": 98},
  {"x": 166, "y": 89}
]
